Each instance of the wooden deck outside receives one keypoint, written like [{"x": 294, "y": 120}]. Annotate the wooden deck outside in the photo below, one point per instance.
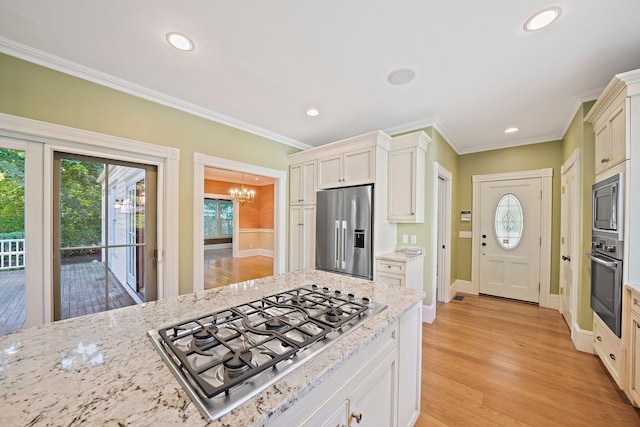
[{"x": 82, "y": 293}]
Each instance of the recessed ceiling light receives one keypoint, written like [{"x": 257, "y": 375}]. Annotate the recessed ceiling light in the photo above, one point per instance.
[
  {"x": 401, "y": 76},
  {"x": 180, "y": 41},
  {"x": 542, "y": 18},
  {"x": 312, "y": 112},
  {"x": 511, "y": 130}
]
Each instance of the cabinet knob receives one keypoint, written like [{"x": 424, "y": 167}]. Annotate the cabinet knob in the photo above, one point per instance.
[
  {"x": 355, "y": 416},
  {"x": 412, "y": 213},
  {"x": 612, "y": 356},
  {"x": 599, "y": 338},
  {"x": 638, "y": 325}
]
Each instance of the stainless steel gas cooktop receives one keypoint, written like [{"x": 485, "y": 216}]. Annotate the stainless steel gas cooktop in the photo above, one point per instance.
[{"x": 224, "y": 358}]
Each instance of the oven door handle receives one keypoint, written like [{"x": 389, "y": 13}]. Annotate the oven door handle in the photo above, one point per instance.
[{"x": 601, "y": 261}]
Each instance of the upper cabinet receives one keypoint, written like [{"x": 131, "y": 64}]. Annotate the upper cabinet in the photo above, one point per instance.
[
  {"x": 610, "y": 123},
  {"x": 348, "y": 168},
  {"x": 302, "y": 186},
  {"x": 406, "y": 178}
]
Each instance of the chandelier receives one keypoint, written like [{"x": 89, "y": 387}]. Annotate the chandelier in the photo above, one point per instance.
[{"x": 242, "y": 196}]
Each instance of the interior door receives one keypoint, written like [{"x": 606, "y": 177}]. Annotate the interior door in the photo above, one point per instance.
[
  {"x": 569, "y": 214},
  {"x": 440, "y": 289},
  {"x": 510, "y": 218}
]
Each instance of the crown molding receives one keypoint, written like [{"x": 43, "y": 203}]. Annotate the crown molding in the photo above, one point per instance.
[
  {"x": 422, "y": 124},
  {"x": 53, "y": 62}
]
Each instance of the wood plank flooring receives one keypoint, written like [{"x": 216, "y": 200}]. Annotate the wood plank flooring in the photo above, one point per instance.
[
  {"x": 221, "y": 270},
  {"x": 493, "y": 362}
]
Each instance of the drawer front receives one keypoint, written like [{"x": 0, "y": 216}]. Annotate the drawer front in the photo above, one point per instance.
[
  {"x": 391, "y": 267},
  {"x": 390, "y": 279},
  {"x": 607, "y": 348},
  {"x": 635, "y": 302}
]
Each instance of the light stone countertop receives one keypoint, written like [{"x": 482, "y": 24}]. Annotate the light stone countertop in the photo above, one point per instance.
[
  {"x": 102, "y": 369},
  {"x": 399, "y": 256}
]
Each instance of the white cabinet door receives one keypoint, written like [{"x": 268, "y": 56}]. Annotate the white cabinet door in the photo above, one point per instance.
[
  {"x": 330, "y": 172},
  {"x": 359, "y": 167},
  {"x": 302, "y": 220},
  {"x": 302, "y": 185},
  {"x": 344, "y": 169},
  {"x": 634, "y": 353},
  {"x": 611, "y": 139},
  {"x": 401, "y": 204},
  {"x": 374, "y": 403}
]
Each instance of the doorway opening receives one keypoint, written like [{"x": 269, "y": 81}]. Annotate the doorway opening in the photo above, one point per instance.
[{"x": 442, "y": 211}]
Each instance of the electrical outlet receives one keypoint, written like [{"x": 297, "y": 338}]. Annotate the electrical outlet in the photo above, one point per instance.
[
  {"x": 413, "y": 239},
  {"x": 405, "y": 238}
]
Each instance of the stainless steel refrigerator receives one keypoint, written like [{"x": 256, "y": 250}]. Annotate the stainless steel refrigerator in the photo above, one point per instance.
[{"x": 344, "y": 231}]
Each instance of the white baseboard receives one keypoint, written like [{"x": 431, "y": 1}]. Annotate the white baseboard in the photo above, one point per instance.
[
  {"x": 218, "y": 246},
  {"x": 254, "y": 252},
  {"x": 553, "y": 301},
  {"x": 582, "y": 340},
  {"x": 462, "y": 286},
  {"x": 428, "y": 313}
]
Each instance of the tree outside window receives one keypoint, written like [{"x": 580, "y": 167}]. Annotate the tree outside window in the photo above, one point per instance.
[{"x": 218, "y": 218}]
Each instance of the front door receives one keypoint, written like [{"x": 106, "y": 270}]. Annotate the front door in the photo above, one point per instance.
[{"x": 510, "y": 218}]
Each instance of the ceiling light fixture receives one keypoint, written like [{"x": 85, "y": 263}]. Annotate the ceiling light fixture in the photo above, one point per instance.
[
  {"x": 542, "y": 18},
  {"x": 511, "y": 130},
  {"x": 401, "y": 76},
  {"x": 242, "y": 196},
  {"x": 312, "y": 112},
  {"x": 180, "y": 41}
]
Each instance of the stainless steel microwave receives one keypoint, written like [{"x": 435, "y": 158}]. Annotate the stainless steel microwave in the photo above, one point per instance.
[{"x": 608, "y": 206}]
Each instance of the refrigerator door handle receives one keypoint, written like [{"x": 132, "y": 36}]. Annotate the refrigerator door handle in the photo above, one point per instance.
[
  {"x": 344, "y": 245},
  {"x": 336, "y": 258}
]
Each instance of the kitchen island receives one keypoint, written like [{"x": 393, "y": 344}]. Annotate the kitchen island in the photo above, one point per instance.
[{"x": 102, "y": 369}]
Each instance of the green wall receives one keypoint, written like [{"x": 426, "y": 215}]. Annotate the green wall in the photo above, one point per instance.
[
  {"x": 439, "y": 151},
  {"x": 580, "y": 136},
  {"x": 39, "y": 93},
  {"x": 526, "y": 157}
]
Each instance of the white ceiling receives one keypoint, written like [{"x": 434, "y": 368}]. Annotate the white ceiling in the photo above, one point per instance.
[
  {"x": 237, "y": 177},
  {"x": 259, "y": 65}
]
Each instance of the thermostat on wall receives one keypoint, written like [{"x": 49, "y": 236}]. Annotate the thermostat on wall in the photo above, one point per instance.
[{"x": 465, "y": 216}]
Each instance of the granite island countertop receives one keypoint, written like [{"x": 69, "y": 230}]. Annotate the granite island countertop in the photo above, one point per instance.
[{"x": 102, "y": 369}]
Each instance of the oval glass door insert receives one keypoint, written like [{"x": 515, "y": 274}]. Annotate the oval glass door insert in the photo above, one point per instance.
[{"x": 509, "y": 221}]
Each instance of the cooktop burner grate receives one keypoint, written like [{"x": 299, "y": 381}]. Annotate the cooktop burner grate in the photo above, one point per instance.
[{"x": 225, "y": 357}]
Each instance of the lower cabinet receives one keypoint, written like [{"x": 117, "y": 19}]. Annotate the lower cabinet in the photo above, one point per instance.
[
  {"x": 608, "y": 347},
  {"x": 404, "y": 271},
  {"x": 379, "y": 386}
]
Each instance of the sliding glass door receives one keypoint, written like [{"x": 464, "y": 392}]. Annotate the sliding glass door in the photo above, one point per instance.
[{"x": 104, "y": 234}]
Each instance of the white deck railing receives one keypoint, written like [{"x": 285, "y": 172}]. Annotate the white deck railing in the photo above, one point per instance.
[{"x": 11, "y": 254}]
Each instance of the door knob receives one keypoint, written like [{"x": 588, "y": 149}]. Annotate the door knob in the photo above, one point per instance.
[
  {"x": 484, "y": 244},
  {"x": 484, "y": 236},
  {"x": 564, "y": 258}
]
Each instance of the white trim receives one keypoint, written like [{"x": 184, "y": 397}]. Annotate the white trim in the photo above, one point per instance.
[
  {"x": 256, "y": 230},
  {"x": 49, "y": 137},
  {"x": 218, "y": 246},
  {"x": 463, "y": 286},
  {"x": 200, "y": 161},
  {"x": 255, "y": 252},
  {"x": 546, "y": 176},
  {"x": 582, "y": 340},
  {"x": 53, "y": 62},
  {"x": 440, "y": 172},
  {"x": 553, "y": 301},
  {"x": 428, "y": 313}
]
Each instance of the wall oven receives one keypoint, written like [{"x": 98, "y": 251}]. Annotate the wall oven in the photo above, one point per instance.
[{"x": 606, "y": 255}]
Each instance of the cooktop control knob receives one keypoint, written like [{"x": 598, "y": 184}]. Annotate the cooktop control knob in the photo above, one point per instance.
[
  {"x": 352, "y": 297},
  {"x": 315, "y": 287},
  {"x": 326, "y": 290},
  {"x": 338, "y": 293},
  {"x": 367, "y": 301}
]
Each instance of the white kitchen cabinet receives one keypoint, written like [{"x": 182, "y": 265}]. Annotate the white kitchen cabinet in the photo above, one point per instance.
[
  {"x": 609, "y": 348},
  {"x": 634, "y": 350},
  {"x": 399, "y": 269},
  {"x": 406, "y": 178},
  {"x": 302, "y": 184},
  {"x": 347, "y": 168},
  {"x": 609, "y": 119},
  {"x": 367, "y": 386},
  {"x": 302, "y": 232}
]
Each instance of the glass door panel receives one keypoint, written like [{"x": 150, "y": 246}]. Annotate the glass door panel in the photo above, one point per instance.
[
  {"x": 12, "y": 241},
  {"x": 103, "y": 244}
]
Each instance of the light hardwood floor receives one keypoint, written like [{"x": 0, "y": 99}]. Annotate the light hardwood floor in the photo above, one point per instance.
[
  {"x": 221, "y": 270},
  {"x": 494, "y": 362}
]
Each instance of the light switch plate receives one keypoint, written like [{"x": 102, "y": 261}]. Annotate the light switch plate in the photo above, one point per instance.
[
  {"x": 413, "y": 239},
  {"x": 405, "y": 238}
]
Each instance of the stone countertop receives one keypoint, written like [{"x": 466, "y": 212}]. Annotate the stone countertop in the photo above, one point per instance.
[
  {"x": 102, "y": 369},
  {"x": 399, "y": 256}
]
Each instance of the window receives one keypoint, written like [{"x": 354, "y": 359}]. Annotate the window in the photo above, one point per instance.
[
  {"x": 218, "y": 218},
  {"x": 509, "y": 221}
]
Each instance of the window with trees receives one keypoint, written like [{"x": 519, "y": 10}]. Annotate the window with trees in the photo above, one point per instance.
[{"x": 218, "y": 218}]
